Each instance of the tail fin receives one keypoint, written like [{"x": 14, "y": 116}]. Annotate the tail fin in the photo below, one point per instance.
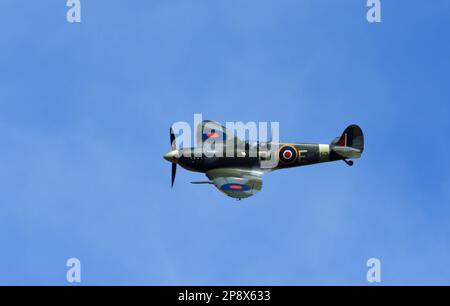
[{"x": 351, "y": 142}]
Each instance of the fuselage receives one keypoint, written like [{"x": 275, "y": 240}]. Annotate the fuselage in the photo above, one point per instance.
[{"x": 255, "y": 156}]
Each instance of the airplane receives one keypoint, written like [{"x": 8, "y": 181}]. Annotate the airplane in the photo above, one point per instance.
[{"x": 240, "y": 176}]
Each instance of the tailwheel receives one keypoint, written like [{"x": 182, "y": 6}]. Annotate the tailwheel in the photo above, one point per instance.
[{"x": 348, "y": 162}]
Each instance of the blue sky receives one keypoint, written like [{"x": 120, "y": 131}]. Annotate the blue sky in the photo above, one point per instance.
[{"x": 84, "y": 117}]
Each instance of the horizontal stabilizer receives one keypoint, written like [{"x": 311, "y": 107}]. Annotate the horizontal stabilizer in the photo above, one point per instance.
[{"x": 347, "y": 152}]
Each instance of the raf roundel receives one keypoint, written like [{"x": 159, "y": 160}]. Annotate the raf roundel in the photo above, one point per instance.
[
  {"x": 215, "y": 134},
  {"x": 288, "y": 154},
  {"x": 235, "y": 187},
  {"x": 212, "y": 135}
]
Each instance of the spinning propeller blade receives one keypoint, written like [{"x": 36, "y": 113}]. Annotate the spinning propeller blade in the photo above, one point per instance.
[{"x": 174, "y": 147}]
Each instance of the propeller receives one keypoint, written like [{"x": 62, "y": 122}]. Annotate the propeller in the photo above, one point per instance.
[
  {"x": 174, "y": 147},
  {"x": 172, "y": 140},
  {"x": 174, "y": 172}
]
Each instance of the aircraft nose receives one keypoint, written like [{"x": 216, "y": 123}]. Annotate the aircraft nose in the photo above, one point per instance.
[{"x": 171, "y": 156}]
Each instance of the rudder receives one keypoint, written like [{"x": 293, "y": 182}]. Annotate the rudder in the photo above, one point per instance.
[
  {"x": 350, "y": 144},
  {"x": 351, "y": 137}
]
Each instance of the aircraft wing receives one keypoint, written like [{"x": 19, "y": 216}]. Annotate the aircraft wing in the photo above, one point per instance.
[
  {"x": 211, "y": 129},
  {"x": 235, "y": 182}
]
